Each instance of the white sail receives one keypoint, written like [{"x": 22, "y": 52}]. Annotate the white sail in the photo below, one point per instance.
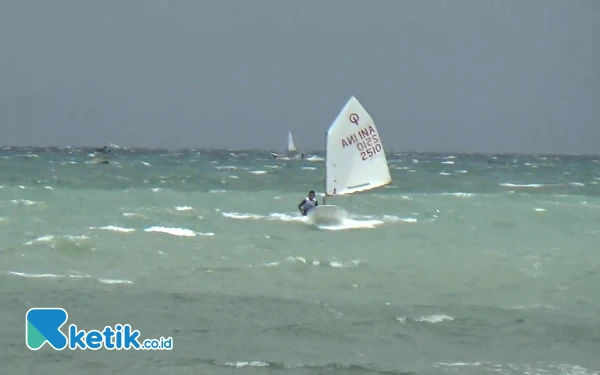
[
  {"x": 291, "y": 146},
  {"x": 355, "y": 158}
]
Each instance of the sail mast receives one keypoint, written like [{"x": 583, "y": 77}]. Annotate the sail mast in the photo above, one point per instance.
[{"x": 325, "y": 179}]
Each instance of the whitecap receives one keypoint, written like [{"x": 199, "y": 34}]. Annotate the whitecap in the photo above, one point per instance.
[
  {"x": 25, "y": 202},
  {"x": 460, "y": 364},
  {"x": 226, "y": 167},
  {"x": 181, "y": 232},
  {"x": 132, "y": 214},
  {"x": 244, "y": 364},
  {"x": 35, "y": 275},
  {"x": 183, "y": 208},
  {"x": 436, "y": 318},
  {"x": 115, "y": 229},
  {"x": 51, "y": 238},
  {"x": 115, "y": 281},
  {"x": 507, "y": 184},
  {"x": 394, "y": 218},
  {"x": 241, "y": 216},
  {"x": 352, "y": 224}
]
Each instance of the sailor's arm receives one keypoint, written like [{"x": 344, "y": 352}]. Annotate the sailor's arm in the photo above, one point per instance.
[{"x": 301, "y": 204}]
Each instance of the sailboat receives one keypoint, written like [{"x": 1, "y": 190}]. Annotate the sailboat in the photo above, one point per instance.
[
  {"x": 290, "y": 149},
  {"x": 355, "y": 160}
]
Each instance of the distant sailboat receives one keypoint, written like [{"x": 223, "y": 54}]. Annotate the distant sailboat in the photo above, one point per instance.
[
  {"x": 292, "y": 152},
  {"x": 101, "y": 155},
  {"x": 291, "y": 145}
]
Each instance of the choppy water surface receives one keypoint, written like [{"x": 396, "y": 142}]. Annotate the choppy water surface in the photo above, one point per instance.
[{"x": 466, "y": 264}]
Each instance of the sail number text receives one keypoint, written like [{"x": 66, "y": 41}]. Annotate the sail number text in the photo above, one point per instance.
[{"x": 367, "y": 142}]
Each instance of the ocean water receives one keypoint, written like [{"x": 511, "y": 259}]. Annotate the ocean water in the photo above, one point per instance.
[{"x": 466, "y": 264}]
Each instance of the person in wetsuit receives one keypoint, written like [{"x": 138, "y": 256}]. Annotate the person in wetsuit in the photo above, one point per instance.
[{"x": 308, "y": 203}]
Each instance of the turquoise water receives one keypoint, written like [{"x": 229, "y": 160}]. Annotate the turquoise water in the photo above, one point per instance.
[{"x": 466, "y": 264}]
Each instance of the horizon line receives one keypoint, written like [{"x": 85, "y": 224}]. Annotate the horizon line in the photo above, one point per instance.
[{"x": 501, "y": 153}]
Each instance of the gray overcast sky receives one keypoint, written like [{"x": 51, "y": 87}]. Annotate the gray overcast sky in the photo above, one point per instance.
[{"x": 473, "y": 76}]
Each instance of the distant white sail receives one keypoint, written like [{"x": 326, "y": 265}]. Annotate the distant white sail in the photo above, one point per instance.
[{"x": 291, "y": 146}]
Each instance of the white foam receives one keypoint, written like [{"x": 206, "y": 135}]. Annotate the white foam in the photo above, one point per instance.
[
  {"x": 448, "y": 162},
  {"x": 180, "y": 232},
  {"x": 226, "y": 167},
  {"x": 285, "y": 217},
  {"x": 114, "y": 281},
  {"x": 241, "y": 216},
  {"x": 523, "y": 185},
  {"x": 314, "y": 158},
  {"x": 74, "y": 275},
  {"x": 146, "y": 164},
  {"x": 258, "y": 172},
  {"x": 132, "y": 214},
  {"x": 444, "y": 173},
  {"x": 540, "y": 209},
  {"x": 367, "y": 222},
  {"x": 25, "y": 202},
  {"x": 309, "y": 168},
  {"x": 460, "y": 364},
  {"x": 394, "y": 218},
  {"x": 172, "y": 231},
  {"x": 35, "y": 275},
  {"x": 115, "y": 229},
  {"x": 334, "y": 263},
  {"x": 353, "y": 224},
  {"x": 436, "y": 318},
  {"x": 183, "y": 208},
  {"x": 51, "y": 238},
  {"x": 249, "y": 364},
  {"x": 79, "y": 276},
  {"x": 352, "y": 263}
]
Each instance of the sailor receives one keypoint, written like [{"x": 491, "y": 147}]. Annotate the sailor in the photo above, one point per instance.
[{"x": 308, "y": 203}]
